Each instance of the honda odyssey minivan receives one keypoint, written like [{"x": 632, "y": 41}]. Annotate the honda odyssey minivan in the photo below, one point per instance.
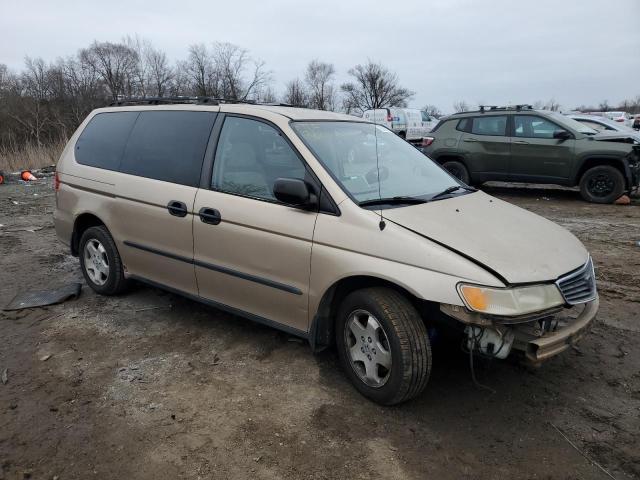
[{"x": 325, "y": 226}]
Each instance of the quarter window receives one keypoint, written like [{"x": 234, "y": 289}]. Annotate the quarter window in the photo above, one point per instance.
[
  {"x": 102, "y": 141},
  {"x": 250, "y": 156},
  {"x": 169, "y": 146},
  {"x": 530, "y": 126},
  {"x": 489, "y": 125}
]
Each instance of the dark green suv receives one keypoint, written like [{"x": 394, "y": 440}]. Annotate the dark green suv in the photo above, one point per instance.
[{"x": 519, "y": 144}]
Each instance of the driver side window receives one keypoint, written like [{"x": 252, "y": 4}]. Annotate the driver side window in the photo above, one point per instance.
[
  {"x": 530, "y": 126},
  {"x": 250, "y": 156}
]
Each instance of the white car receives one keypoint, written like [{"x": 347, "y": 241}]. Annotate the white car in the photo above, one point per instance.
[
  {"x": 600, "y": 124},
  {"x": 409, "y": 123},
  {"x": 620, "y": 117},
  {"x": 607, "y": 129}
]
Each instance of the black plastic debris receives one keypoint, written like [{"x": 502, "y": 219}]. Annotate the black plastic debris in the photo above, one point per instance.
[{"x": 41, "y": 298}]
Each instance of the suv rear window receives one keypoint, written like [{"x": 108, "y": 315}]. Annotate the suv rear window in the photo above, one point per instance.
[
  {"x": 168, "y": 146},
  {"x": 102, "y": 141}
]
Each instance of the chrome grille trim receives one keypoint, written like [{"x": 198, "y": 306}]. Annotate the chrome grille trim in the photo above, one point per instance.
[{"x": 579, "y": 286}]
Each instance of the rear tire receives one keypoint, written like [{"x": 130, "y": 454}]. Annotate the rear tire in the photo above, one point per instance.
[
  {"x": 100, "y": 262},
  {"x": 389, "y": 360},
  {"x": 458, "y": 170},
  {"x": 602, "y": 184}
]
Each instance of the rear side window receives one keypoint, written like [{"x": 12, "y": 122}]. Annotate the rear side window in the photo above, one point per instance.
[
  {"x": 464, "y": 125},
  {"x": 102, "y": 142},
  {"x": 168, "y": 146},
  {"x": 489, "y": 125}
]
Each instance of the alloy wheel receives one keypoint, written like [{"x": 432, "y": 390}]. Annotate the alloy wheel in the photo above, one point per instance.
[{"x": 368, "y": 348}]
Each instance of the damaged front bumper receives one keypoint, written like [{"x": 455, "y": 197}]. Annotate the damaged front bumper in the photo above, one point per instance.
[{"x": 539, "y": 336}]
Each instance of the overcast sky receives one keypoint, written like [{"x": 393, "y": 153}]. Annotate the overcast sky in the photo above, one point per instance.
[{"x": 495, "y": 52}]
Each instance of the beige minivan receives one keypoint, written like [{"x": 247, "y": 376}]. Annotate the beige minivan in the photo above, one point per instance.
[{"x": 324, "y": 225}]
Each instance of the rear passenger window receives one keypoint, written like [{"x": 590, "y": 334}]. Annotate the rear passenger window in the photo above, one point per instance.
[
  {"x": 489, "y": 125},
  {"x": 168, "y": 146},
  {"x": 102, "y": 142}
]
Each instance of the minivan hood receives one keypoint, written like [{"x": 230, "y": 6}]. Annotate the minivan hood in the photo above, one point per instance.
[{"x": 516, "y": 244}]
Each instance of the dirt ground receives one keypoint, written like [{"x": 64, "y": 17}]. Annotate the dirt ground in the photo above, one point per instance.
[{"x": 153, "y": 386}]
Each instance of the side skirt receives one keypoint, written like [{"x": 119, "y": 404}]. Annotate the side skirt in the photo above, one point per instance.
[{"x": 220, "y": 306}]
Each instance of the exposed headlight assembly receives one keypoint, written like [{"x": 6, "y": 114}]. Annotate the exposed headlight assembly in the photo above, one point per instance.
[{"x": 510, "y": 301}]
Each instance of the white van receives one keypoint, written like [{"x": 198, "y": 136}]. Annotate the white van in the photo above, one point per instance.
[{"x": 409, "y": 123}]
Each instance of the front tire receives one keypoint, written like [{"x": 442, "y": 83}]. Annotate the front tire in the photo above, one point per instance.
[
  {"x": 602, "y": 184},
  {"x": 100, "y": 262},
  {"x": 383, "y": 345},
  {"x": 458, "y": 170}
]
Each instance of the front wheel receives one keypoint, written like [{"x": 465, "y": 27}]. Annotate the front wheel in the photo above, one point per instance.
[
  {"x": 383, "y": 345},
  {"x": 602, "y": 184}
]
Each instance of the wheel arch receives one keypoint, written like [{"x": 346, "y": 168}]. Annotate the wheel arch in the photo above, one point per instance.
[
  {"x": 321, "y": 334},
  {"x": 81, "y": 223},
  {"x": 596, "y": 161}
]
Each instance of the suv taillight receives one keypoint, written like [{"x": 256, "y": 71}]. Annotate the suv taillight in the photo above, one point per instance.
[
  {"x": 389, "y": 117},
  {"x": 426, "y": 141},
  {"x": 56, "y": 182},
  {"x": 619, "y": 119}
]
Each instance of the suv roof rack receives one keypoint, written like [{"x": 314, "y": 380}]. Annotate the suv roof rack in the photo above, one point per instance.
[
  {"x": 524, "y": 106},
  {"x": 189, "y": 100}
]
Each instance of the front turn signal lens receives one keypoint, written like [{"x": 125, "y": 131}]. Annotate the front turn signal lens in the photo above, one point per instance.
[{"x": 475, "y": 297}]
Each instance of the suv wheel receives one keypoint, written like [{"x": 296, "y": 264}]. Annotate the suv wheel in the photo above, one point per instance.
[
  {"x": 458, "y": 170},
  {"x": 602, "y": 184},
  {"x": 383, "y": 345},
  {"x": 100, "y": 262}
]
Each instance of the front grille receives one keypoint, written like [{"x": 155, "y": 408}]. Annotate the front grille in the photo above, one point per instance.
[{"x": 579, "y": 286}]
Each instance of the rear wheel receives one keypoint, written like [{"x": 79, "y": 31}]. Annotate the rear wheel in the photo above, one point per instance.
[
  {"x": 458, "y": 170},
  {"x": 602, "y": 184},
  {"x": 383, "y": 345},
  {"x": 100, "y": 261}
]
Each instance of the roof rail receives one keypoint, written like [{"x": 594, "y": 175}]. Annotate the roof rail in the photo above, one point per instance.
[
  {"x": 189, "y": 100},
  {"x": 484, "y": 108}
]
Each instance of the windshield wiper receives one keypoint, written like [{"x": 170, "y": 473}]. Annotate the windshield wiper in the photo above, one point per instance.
[
  {"x": 452, "y": 189},
  {"x": 392, "y": 201}
]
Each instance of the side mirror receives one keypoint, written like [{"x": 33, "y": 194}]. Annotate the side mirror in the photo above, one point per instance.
[
  {"x": 562, "y": 135},
  {"x": 294, "y": 192}
]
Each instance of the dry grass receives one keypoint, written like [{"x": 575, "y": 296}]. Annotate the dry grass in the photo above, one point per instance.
[{"x": 30, "y": 157}]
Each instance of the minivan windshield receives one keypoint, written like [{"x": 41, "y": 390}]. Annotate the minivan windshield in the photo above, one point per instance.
[{"x": 371, "y": 162}]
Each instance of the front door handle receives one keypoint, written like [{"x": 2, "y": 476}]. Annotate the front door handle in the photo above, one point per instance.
[
  {"x": 470, "y": 140},
  {"x": 521, "y": 142},
  {"x": 210, "y": 216},
  {"x": 177, "y": 209}
]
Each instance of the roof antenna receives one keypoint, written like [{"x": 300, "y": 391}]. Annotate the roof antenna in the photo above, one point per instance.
[{"x": 382, "y": 224}]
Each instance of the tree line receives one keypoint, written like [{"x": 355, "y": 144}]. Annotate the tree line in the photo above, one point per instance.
[{"x": 45, "y": 102}]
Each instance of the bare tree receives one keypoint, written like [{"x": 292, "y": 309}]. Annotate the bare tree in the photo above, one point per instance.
[
  {"x": 159, "y": 73},
  {"x": 231, "y": 62},
  {"x": 296, "y": 94},
  {"x": 200, "y": 70},
  {"x": 322, "y": 92},
  {"x": 374, "y": 86},
  {"x": 460, "y": 106},
  {"x": 115, "y": 63},
  {"x": 432, "y": 111},
  {"x": 603, "y": 106}
]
